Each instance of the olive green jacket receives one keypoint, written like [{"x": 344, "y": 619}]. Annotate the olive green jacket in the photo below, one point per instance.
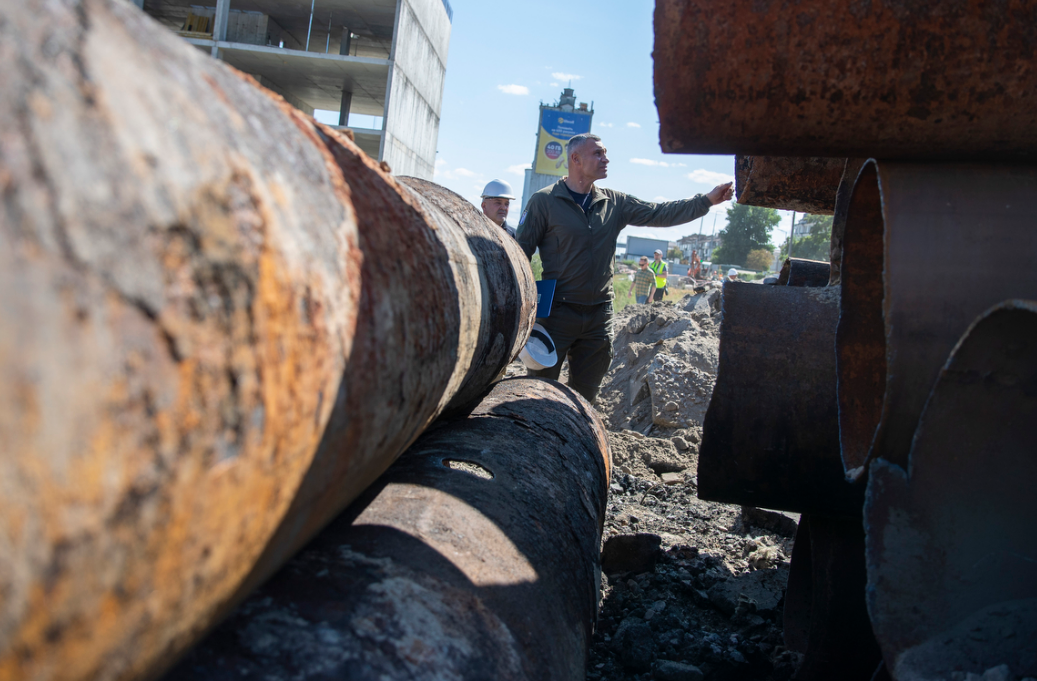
[{"x": 578, "y": 249}]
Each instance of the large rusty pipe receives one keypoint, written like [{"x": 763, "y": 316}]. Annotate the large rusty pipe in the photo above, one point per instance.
[
  {"x": 927, "y": 248},
  {"x": 807, "y": 185},
  {"x": 770, "y": 436},
  {"x": 803, "y": 272},
  {"x": 842, "y": 209},
  {"x": 204, "y": 309},
  {"x": 952, "y": 565},
  {"x": 884, "y": 78},
  {"x": 474, "y": 557}
]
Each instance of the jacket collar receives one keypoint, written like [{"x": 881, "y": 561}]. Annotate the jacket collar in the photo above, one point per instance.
[{"x": 562, "y": 192}]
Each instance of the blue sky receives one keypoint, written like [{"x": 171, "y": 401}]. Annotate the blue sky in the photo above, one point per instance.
[{"x": 507, "y": 57}]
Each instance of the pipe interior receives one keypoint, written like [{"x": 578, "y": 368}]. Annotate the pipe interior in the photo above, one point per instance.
[{"x": 860, "y": 337}]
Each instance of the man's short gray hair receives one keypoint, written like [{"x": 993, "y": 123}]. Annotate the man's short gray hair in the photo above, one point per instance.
[{"x": 576, "y": 140}]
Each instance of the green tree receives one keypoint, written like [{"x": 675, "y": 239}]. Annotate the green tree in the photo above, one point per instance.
[
  {"x": 674, "y": 254},
  {"x": 759, "y": 259},
  {"x": 748, "y": 228},
  {"x": 816, "y": 244}
]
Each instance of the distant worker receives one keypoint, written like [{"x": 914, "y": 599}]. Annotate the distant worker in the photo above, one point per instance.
[
  {"x": 659, "y": 267},
  {"x": 732, "y": 274},
  {"x": 575, "y": 224},
  {"x": 496, "y": 200},
  {"x": 644, "y": 283}
]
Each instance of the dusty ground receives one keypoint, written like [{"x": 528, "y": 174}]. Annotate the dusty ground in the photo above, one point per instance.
[{"x": 691, "y": 589}]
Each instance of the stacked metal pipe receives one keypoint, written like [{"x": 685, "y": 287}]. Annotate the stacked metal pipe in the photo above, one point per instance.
[
  {"x": 931, "y": 245},
  {"x": 476, "y": 556},
  {"x": 219, "y": 323}
]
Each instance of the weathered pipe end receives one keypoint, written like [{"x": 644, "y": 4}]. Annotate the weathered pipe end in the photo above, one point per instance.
[
  {"x": 770, "y": 436},
  {"x": 475, "y": 556},
  {"x": 807, "y": 185},
  {"x": 801, "y": 272},
  {"x": 952, "y": 565}
]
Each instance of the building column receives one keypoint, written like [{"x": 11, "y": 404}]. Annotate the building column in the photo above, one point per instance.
[
  {"x": 219, "y": 26},
  {"x": 343, "y": 112}
]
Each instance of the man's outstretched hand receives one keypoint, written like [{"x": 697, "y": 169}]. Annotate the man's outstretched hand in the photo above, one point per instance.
[{"x": 721, "y": 193}]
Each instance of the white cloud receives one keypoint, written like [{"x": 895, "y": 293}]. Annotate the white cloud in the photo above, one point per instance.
[
  {"x": 464, "y": 172},
  {"x": 513, "y": 89},
  {"x": 554, "y": 84},
  {"x": 660, "y": 199},
  {"x": 519, "y": 168},
  {"x": 440, "y": 163},
  {"x": 604, "y": 125},
  {"x": 558, "y": 75},
  {"x": 661, "y": 164},
  {"x": 631, "y": 124},
  {"x": 701, "y": 176}
]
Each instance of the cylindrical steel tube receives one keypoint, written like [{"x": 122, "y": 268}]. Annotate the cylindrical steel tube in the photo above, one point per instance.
[
  {"x": 927, "y": 248},
  {"x": 183, "y": 258},
  {"x": 801, "y": 272},
  {"x": 770, "y": 437},
  {"x": 952, "y": 565},
  {"x": 807, "y": 185},
  {"x": 842, "y": 207},
  {"x": 474, "y": 557},
  {"x": 883, "y": 78}
]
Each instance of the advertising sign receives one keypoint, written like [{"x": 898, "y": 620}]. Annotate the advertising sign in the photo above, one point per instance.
[{"x": 556, "y": 128}]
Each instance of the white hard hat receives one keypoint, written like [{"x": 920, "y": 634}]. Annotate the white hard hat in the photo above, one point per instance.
[
  {"x": 732, "y": 272},
  {"x": 658, "y": 251},
  {"x": 497, "y": 189},
  {"x": 539, "y": 351}
]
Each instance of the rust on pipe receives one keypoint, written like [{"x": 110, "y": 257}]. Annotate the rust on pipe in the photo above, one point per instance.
[
  {"x": 770, "y": 435},
  {"x": 474, "y": 557},
  {"x": 927, "y": 249},
  {"x": 842, "y": 206},
  {"x": 802, "y": 272},
  {"x": 952, "y": 566},
  {"x": 807, "y": 185},
  {"x": 205, "y": 311},
  {"x": 889, "y": 79}
]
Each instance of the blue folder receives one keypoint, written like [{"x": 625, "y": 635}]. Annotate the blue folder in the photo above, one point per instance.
[{"x": 545, "y": 296}]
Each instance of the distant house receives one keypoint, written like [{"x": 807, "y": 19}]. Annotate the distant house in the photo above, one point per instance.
[{"x": 702, "y": 243}]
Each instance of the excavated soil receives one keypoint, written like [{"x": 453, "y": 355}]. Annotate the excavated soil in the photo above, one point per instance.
[{"x": 691, "y": 589}]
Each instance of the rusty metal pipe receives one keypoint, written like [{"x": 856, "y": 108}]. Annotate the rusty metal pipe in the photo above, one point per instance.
[
  {"x": 770, "y": 436},
  {"x": 952, "y": 565},
  {"x": 927, "y": 248},
  {"x": 807, "y": 185},
  {"x": 475, "y": 556},
  {"x": 205, "y": 311},
  {"x": 888, "y": 79},
  {"x": 842, "y": 207},
  {"x": 802, "y": 272}
]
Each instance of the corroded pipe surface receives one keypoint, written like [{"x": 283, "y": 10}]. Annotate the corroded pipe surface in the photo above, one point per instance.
[
  {"x": 883, "y": 78},
  {"x": 952, "y": 565},
  {"x": 927, "y": 248},
  {"x": 448, "y": 301},
  {"x": 770, "y": 436},
  {"x": 802, "y": 272},
  {"x": 205, "y": 311},
  {"x": 842, "y": 208},
  {"x": 807, "y": 185},
  {"x": 474, "y": 557},
  {"x": 176, "y": 312}
]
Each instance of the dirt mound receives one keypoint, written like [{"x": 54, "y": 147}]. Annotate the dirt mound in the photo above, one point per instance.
[{"x": 664, "y": 366}]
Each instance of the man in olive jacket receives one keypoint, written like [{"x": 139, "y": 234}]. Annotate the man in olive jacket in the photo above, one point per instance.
[{"x": 575, "y": 225}]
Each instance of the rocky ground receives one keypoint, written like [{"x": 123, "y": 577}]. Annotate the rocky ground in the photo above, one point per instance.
[{"x": 691, "y": 589}]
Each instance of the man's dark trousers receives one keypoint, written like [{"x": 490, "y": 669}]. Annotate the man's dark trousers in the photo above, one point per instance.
[
  {"x": 659, "y": 293},
  {"x": 584, "y": 334}
]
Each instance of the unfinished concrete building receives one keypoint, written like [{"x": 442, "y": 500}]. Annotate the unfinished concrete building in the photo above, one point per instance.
[{"x": 380, "y": 58}]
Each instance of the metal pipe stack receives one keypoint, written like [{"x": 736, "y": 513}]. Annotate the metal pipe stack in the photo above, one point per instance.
[
  {"x": 932, "y": 106},
  {"x": 219, "y": 323}
]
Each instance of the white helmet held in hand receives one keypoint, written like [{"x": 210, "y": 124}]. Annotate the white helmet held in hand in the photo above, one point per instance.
[
  {"x": 539, "y": 350},
  {"x": 497, "y": 189}
]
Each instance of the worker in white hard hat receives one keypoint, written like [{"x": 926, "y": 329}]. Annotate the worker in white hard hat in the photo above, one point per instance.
[
  {"x": 732, "y": 274},
  {"x": 496, "y": 200}
]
